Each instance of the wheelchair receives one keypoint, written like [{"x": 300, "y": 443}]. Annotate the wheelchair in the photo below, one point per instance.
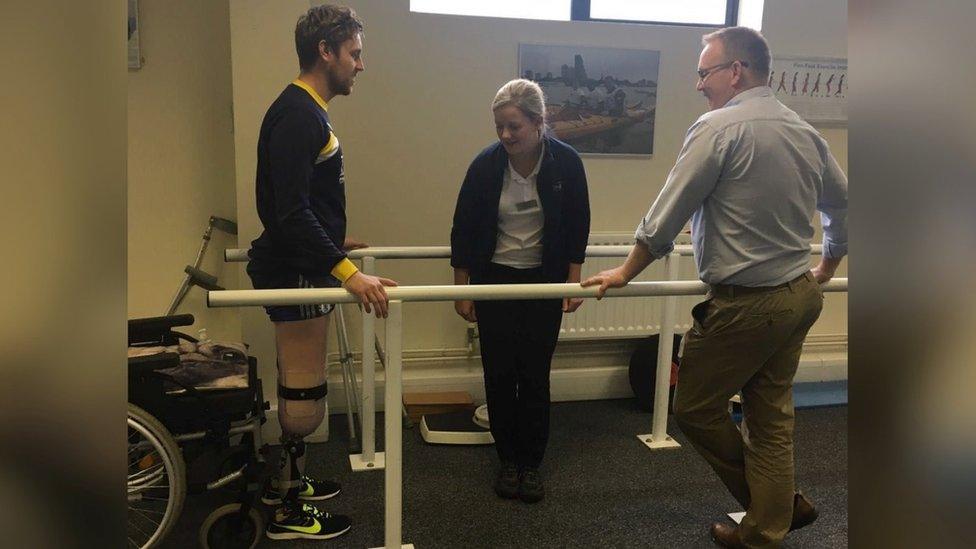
[{"x": 189, "y": 435}]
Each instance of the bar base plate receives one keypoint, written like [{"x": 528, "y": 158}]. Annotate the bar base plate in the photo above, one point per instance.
[
  {"x": 378, "y": 462},
  {"x": 667, "y": 444}
]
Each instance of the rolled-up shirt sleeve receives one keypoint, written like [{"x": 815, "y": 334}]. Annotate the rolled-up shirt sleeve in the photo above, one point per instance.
[
  {"x": 691, "y": 180},
  {"x": 832, "y": 205}
]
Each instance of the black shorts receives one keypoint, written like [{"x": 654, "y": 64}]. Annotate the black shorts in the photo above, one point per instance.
[{"x": 292, "y": 280}]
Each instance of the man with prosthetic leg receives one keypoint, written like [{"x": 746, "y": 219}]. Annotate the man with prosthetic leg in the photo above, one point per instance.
[{"x": 300, "y": 191}]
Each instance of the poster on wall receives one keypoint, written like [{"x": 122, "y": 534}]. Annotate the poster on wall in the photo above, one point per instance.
[
  {"x": 599, "y": 100},
  {"x": 814, "y": 87},
  {"x": 135, "y": 61}
]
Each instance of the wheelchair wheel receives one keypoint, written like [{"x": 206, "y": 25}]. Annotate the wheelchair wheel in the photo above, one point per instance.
[
  {"x": 156, "y": 483},
  {"x": 225, "y": 528}
]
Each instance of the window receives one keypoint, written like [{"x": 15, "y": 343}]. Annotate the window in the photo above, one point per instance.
[
  {"x": 751, "y": 13},
  {"x": 703, "y": 13},
  {"x": 686, "y": 12},
  {"x": 557, "y": 10}
]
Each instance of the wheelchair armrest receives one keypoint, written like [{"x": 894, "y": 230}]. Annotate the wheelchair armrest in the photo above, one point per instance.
[
  {"x": 180, "y": 335},
  {"x": 155, "y": 330},
  {"x": 142, "y": 365}
]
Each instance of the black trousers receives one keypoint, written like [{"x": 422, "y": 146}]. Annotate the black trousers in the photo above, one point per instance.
[{"x": 518, "y": 338}]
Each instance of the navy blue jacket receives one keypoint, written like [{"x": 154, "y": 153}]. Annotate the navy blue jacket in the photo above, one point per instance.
[{"x": 561, "y": 185}]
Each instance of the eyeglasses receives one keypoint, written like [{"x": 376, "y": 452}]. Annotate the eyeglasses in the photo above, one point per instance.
[{"x": 703, "y": 73}]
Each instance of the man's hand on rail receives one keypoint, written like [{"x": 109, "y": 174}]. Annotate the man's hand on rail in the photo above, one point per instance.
[
  {"x": 370, "y": 291},
  {"x": 612, "y": 278},
  {"x": 825, "y": 270},
  {"x": 465, "y": 308},
  {"x": 637, "y": 260},
  {"x": 353, "y": 244}
]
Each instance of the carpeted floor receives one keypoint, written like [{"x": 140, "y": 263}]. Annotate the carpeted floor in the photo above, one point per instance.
[{"x": 604, "y": 488}]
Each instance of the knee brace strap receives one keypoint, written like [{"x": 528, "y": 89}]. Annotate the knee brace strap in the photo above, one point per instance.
[{"x": 311, "y": 393}]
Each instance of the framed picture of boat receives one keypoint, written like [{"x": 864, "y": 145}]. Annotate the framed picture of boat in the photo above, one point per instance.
[{"x": 599, "y": 100}]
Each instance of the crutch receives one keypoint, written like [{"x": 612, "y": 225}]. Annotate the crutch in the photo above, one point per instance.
[{"x": 194, "y": 275}]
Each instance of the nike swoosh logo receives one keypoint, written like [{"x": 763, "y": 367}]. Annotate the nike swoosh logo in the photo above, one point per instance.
[{"x": 315, "y": 528}]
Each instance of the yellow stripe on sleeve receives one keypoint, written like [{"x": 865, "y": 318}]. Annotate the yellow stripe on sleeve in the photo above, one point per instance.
[
  {"x": 329, "y": 149},
  {"x": 344, "y": 269}
]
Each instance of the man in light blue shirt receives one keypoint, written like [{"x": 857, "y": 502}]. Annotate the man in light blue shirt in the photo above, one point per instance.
[{"x": 750, "y": 175}]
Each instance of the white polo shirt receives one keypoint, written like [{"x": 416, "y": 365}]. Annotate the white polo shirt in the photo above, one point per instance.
[{"x": 520, "y": 220}]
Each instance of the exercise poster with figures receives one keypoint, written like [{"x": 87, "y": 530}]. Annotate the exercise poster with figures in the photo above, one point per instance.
[{"x": 816, "y": 88}]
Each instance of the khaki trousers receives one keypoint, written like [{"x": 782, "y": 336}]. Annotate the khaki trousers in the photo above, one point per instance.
[{"x": 748, "y": 341}]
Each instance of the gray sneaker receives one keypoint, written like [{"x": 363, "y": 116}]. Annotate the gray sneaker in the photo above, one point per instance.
[
  {"x": 507, "y": 483},
  {"x": 530, "y": 489}
]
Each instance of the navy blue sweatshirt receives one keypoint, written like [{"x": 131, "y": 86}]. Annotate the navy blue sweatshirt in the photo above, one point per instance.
[{"x": 300, "y": 187}]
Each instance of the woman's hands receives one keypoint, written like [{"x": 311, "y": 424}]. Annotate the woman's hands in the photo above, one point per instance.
[
  {"x": 465, "y": 308},
  {"x": 570, "y": 304}
]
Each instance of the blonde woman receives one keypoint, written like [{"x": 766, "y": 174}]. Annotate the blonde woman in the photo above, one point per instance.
[{"x": 522, "y": 217}]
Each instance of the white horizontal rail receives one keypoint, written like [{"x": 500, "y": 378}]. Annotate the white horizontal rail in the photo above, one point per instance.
[
  {"x": 436, "y": 252},
  {"x": 483, "y": 292},
  {"x": 369, "y": 257},
  {"x": 397, "y": 295},
  {"x": 393, "y": 389}
]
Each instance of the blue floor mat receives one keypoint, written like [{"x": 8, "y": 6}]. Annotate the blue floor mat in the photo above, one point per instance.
[{"x": 820, "y": 393}]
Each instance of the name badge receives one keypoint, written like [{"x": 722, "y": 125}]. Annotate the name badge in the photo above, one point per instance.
[{"x": 527, "y": 205}]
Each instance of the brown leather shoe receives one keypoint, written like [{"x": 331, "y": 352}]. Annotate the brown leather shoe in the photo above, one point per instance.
[
  {"x": 804, "y": 513},
  {"x": 726, "y": 535}
]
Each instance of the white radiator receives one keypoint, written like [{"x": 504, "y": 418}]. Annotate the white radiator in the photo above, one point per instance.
[{"x": 625, "y": 316}]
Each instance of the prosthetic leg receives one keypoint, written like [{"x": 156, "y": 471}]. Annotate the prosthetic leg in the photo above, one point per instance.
[
  {"x": 295, "y": 519},
  {"x": 290, "y": 481},
  {"x": 302, "y": 389}
]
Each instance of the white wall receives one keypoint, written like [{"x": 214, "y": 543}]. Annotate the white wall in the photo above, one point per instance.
[
  {"x": 420, "y": 112},
  {"x": 180, "y": 158},
  {"x": 816, "y": 29}
]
